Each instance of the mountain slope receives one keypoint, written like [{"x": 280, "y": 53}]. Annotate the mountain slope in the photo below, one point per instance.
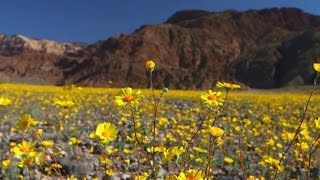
[
  {"x": 193, "y": 49},
  {"x": 34, "y": 61}
]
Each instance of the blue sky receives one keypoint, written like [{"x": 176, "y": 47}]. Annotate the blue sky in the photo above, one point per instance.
[{"x": 92, "y": 20}]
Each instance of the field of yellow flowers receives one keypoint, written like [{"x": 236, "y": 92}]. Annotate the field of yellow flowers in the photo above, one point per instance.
[
  {"x": 70, "y": 132},
  {"x": 64, "y": 120}
]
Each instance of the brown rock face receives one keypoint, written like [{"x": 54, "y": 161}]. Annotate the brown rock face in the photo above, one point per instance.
[
  {"x": 33, "y": 61},
  {"x": 192, "y": 49}
]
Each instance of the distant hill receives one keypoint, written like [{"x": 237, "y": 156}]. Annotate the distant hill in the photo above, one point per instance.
[{"x": 193, "y": 49}]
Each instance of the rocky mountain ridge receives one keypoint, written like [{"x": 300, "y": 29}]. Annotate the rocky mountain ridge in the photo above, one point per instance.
[
  {"x": 11, "y": 45},
  {"x": 258, "y": 48}
]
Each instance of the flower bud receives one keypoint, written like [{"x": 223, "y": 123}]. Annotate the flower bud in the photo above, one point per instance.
[
  {"x": 316, "y": 66},
  {"x": 150, "y": 65}
]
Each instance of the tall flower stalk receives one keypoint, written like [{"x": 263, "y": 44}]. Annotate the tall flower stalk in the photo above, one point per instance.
[
  {"x": 150, "y": 66},
  {"x": 215, "y": 132},
  {"x": 126, "y": 97},
  {"x": 316, "y": 67}
]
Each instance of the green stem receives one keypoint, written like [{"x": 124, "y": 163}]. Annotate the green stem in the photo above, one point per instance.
[
  {"x": 311, "y": 151},
  {"x": 137, "y": 139},
  {"x": 210, "y": 144},
  {"x": 190, "y": 141},
  {"x": 297, "y": 130},
  {"x": 52, "y": 156},
  {"x": 156, "y": 103},
  {"x": 243, "y": 168}
]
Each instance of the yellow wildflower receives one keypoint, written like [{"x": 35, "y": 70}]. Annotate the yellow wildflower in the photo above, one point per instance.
[
  {"x": 47, "y": 143},
  {"x": 5, "y": 101},
  {"x": 316, "y": 66},
  {"x": 127, "y": 151},
  {"x": 104, "y": 160},
  {"x": 72, "y": 178},
  {"x": 127, "y": 161},
  {"x": 56, "y": 166},
  {"x": 111, "y": 150},
  {"x": 74, "y": 141},
  {"x": 145, "y": 139},
  {"x": 306, "y": 134},
  {"x": 40, "y": 157},
  {"x": 271, "y": 163},
  {"x": 23, "y": 148},
  {"x": 200, "y": 150},
  {"x": 287, "y": 136},
  {"x": 170, "y": 153},
  {"x": 304, "y": 146},
  {"x": 13, "y": 129},
  {"x": 150, "y": 65},
  {"x": 216, "y": 131},
  {"x": 199, "y": 160},
  {"x": 25, "y": 122},
  {"x": 280, "y": 146},
  {"x": 156, "y": 149},
  {"x": 109, "y": 172},
  {"x": 92, "y": 135},
  {"x": 127, "y": 97},
  {"x": 218, "y": 141},
  {"x": 255, "y": 178},
  {"x": 266, "y": 119},
  {"x": 191, "y": 174},
  {"x": 252, "y": 178},
  {"x": 270, "y": 142},
  {"x": 106, "y": 132},
  {"x": 141, "y": 138},
  {"x": 227, "y": 86},
  {"x": 211, "y": 98},
  {"x": 26, "y": 161},
  {"x": 6, "y": 163},
  {"x": 38, "y": 132},
  {"x": 228, "y": 160},
  {"x": 64, "y": 103},
  {"x": 61, "y": 125},
  {"x": 171, "y": 177},
  {"x": 143, "y": 176},
  {"x": 317, "y": 122},
  {"x": 237, "y": 128}
]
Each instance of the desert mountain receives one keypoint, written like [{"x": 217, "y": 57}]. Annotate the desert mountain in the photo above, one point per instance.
[
  {"x": 259, "y": 48},
  {"x": 34, "y": 61}
]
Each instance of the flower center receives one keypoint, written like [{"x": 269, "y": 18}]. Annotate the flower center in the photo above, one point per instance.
[
  {"x": 24, "y": 149},
  {"x": 25, "y": 124},
  {"x": 105, "y": 134},
  {"x": 127, "y": 98},
  {"x": 212, "y": 97},
  {"x": 191, "y": 178}
]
